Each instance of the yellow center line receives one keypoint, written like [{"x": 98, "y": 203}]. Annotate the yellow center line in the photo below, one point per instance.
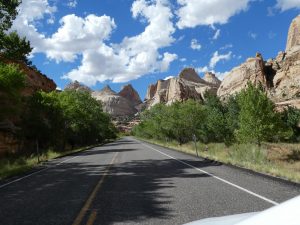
[
  {"x": 92, "y": 196},
  {"x": 92, "y": 218}
]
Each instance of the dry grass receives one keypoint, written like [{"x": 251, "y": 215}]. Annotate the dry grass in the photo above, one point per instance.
[
  {"x": 14, "y": 165},
  {"x": 276, "y": 159}
]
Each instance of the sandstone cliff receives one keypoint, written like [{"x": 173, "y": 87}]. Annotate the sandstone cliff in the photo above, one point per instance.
[
  {"x": 130, "y": 94},
  {"x": 188, "y": 85},
  {"x": 115, "y": 104},
  {"x": 280, "y": 76},
  {"x": 34, "y": 80}
]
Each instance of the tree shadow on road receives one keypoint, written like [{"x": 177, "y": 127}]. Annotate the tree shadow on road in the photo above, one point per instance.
[{"x": 141, "y": 190}]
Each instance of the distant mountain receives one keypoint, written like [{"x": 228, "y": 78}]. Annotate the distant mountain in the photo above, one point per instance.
[{"x": 124, "y": 104}]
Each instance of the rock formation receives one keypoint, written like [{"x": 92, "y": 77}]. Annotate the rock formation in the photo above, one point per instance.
[
  {"x": 77, "y": 87},
  {"x": 211, "y": 79},
  {"x": 188, "y": 85},
  {"x": 280, "y": 76},
  {"x": 130, "y": 94},
  {"x": 126, "y": 103},
  {"x": 115, "y": 104},
  {"x": 293, "y": 35},
  {"x": 252, "y": 70}
]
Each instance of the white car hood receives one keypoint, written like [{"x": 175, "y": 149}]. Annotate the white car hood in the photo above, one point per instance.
[{"x": 287, "y": 213}]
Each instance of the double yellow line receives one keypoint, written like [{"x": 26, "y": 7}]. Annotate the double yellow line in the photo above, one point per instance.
[{"x": 91, "y": 198}]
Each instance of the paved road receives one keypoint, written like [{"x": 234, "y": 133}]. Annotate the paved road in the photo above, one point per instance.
[{"x": 132, "y": 182}]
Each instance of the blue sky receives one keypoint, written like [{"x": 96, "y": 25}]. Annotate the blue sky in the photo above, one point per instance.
[{"x": 117, "y": 42}]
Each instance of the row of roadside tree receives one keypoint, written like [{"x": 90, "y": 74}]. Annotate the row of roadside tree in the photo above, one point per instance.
[
  {"x": 56, "y": 120},
  {"x": 248, "y": 117}
]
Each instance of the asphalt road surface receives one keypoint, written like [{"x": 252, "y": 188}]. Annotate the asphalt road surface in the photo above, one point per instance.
[{"x": 132, "y": 182}]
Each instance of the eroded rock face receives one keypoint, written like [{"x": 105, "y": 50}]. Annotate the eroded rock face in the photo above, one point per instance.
[
  {"x": 287, "y": 78},
  {"x": 34, "y": 80},
  {"x": 191, "y": 75},
  {"x": 280, "y": 76},
  {"x": 293, "y": 35},
  {"x": 188, "y": 85},
  {"x": 211, "y": 78},
  {"x": 130, "y": 94},
  {"x": 150, "y": 91},
  {"x": 252, "y": 70},
  {"x": 114, "y": 104}
]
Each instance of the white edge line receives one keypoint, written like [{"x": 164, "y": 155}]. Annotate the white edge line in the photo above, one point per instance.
[
  {"x": 216, "y": 177},
  {"x": 39, "y": 171}
]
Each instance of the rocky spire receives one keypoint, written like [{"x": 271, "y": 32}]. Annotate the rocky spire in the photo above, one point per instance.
[
  {"x": 190, "y": 75},
  {"x": 294, "y": 34},
  {"x": 211, "y": 78},
  {"x": 130, "y": 94},
  {"x": 107, "y": 90}
]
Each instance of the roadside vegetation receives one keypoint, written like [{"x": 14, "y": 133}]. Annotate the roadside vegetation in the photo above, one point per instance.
[
  {"x": 245, "y": 130},
  {"x": 44, "y": 125}
]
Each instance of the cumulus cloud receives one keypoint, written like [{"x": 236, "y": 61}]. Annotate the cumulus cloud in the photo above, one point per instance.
[
  {"x": 195, "y": 45},
  {"x": 284, "y": 5},
  {"x": 193, "y": 13},
  {"x": 219, "y": 57},
  {"x": 89, "y": 38}
]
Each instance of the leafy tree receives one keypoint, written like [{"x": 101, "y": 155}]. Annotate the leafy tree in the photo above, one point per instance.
[
  {"x": 13, "y": 47},
  {"x": 8, "y": 12},
  {"x": 291, "y": 118},
  {"x": 12, "y": 80},
  {"x": 216, "y": 126},
  {"x": 258, "y": 120},
  {"x": 232, "y": 119},
  {"x": 43, "y": 119}
]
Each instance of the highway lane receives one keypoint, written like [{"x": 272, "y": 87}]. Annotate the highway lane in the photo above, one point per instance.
[{"x": 132, "y": 182}]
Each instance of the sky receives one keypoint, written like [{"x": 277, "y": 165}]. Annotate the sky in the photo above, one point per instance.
[{"x": 116, "y": 42}]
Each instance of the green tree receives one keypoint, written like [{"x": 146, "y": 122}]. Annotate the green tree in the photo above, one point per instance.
[
  {"x": 13, "y": 47},
  {"x": 232, "y": 119},
  {"x": 85, "y": 121},
  {"x": 8, "y": 12},
  {"x": 216, "y": 126},
  {"x": 258, "y": 120},
  {"x": 291, "y": 118},
  {"x": 12, "y": 80}
]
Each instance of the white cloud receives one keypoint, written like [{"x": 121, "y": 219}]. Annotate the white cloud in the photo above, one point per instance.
[
  {"x": 169, "y": 77},
  {"x": 217, "y": 34},
  {"x": 182, "y": 59},
  {"x": 217, "y": 58},
  {"x": 284, "y": 5},
  {"x": 89, "y": 37},
  {"x": 72, "y": 3},
  {"x": 195, "y": 45},
  {"x": 167, "y": 59},
  {"x": 193, "y": 13},
  {"x": 203, "y": 69}
]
